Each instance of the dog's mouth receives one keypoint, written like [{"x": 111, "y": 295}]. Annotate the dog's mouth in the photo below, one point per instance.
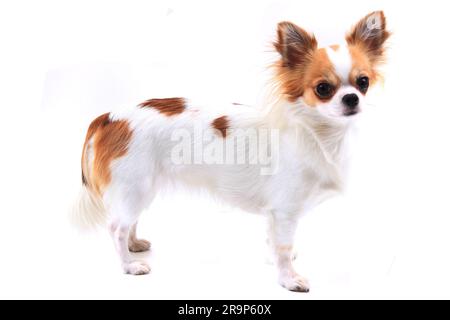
[{"x": 349, "y": 113}]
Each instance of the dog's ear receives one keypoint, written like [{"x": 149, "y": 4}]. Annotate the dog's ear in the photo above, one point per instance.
[
  {"x": 294, "y": 44},
  {"x": 370, "y": 34}
]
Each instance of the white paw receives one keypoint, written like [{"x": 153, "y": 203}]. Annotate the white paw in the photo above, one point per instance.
[
  {"x": 138, "y": 245},
  {"x": 136, "y": 268},
  {"x": 294, "y": 283}
]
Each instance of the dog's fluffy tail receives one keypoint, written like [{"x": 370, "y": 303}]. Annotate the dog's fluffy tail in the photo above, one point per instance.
[{"x": 88, "y": 211}]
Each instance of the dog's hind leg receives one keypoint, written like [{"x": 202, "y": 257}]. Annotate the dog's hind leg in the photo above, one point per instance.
[
  {"x": 135, "y": 244},
  {"x": 125, "y": 205}
]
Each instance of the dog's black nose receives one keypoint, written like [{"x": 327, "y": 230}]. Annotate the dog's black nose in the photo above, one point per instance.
[{"x": 351, "y": 100}]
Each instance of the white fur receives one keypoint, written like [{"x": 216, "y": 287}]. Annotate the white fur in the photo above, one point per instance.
[{"x": 341, "y": 60}]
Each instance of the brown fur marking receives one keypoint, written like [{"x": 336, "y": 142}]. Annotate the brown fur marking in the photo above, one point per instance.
[
  {"x": 362, "y": 66},
  {"x": 110, "y": 141},
  {"x": 95, "y": 124},
  {"x": 167, "y": 106},
  {"x": 221, "y": 124}
]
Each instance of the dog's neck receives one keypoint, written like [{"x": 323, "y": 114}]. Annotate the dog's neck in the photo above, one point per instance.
[
  {"x": 330, "y": 136},
  {"x": 327, "y": 139}
]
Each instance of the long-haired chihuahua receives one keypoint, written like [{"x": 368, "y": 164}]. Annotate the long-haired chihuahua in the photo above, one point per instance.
[{"x": 278, "y": 160}]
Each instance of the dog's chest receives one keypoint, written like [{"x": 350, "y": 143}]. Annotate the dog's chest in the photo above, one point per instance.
[
  {"x": 301, "y": 183},
  {"x": 319, "y": 185}
]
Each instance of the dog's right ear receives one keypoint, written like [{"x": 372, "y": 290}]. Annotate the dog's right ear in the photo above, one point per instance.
[{"x": 294, "y": 44}]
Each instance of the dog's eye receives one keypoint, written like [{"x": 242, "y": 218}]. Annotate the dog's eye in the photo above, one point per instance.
[
  {"x": 363, "y": 84},
  {"x": 324, "y": 90}
]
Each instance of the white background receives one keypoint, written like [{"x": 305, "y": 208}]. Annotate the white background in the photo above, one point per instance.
[{"x": 64, "y": 62}]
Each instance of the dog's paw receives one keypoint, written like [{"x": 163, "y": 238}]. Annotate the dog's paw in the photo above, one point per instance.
[
  {"x": 139, "y": 245},
  {"x": 294, "y": 283},
  {"x": 136, "y": 268}
]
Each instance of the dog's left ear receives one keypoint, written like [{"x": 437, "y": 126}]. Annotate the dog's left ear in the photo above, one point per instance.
[{"x": 370, "y": 34}]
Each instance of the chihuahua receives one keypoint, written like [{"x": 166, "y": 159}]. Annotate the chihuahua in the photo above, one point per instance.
[{"x": 279, "y": 160}]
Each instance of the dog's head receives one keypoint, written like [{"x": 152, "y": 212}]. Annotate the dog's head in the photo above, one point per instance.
[{"x": 332, "y": 81}]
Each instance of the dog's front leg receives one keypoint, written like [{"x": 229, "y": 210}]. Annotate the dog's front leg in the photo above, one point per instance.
[{"x": 281, "y": 235}]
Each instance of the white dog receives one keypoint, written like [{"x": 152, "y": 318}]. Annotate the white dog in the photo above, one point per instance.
[{"x": 279, "y": 161}]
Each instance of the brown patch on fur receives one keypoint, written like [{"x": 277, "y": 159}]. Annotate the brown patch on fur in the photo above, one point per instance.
[
  {"x": 167, "y": 106},
  {"x": 362, "y": 66},
  {"x": 221, "y": 124},
  {"x": 98, "y": 122},
  {"x": 110, "y": 141}
]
